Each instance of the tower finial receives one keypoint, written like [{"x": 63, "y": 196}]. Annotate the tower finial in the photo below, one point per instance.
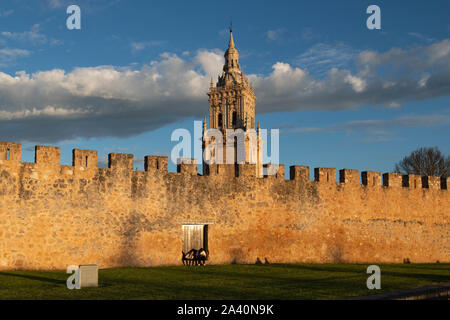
[{"x": 231, "y": 44}]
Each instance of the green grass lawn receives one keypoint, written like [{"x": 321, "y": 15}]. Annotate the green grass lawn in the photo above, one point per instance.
[{"x": 274, "y": 281}]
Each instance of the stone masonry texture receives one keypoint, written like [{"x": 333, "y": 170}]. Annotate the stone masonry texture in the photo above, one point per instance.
[{"x": 53, "y": 215}]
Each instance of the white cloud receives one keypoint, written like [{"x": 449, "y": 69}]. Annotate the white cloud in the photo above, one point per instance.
[
  {"x": 119, "y": 101},
  {"x": 33, "y": 35},
  {"x": 275, "y": 35},
  {"x": 210, "y": 61},
  {"x": 139, "y": 46},
  {"x": 421, "y": 37},
  {"x": 48, "y": 111},
  {"x": 357, "y": 83},
  {"x": 322, "y": 56},
  {"x": 388, "y": 78},
  {"x": 406, "y": 63},
  {"x": 104, "y": 100},
  {"x": 13, "y": 53},
  {"x": 8, "y": 55}
]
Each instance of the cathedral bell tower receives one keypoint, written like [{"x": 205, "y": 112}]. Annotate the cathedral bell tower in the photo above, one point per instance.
[
  {"x": 232, "y": 100},
  {"x": 232, "y": 107}
]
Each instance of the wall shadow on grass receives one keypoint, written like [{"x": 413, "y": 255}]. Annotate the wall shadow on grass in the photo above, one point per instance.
[{"x": 32, "y": 277}]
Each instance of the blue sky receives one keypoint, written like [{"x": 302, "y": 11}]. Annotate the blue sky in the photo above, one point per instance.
[{"x": 343, "y": 96}]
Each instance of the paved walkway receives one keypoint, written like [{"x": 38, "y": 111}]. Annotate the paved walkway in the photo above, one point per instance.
[{"x": 434, "y": 292}]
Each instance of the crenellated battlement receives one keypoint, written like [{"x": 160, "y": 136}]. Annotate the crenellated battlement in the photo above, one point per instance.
[
  {"x": 299, "y": 173},
  {"x": 325, "y": 175},
  {"x": 86, "y": 162},
  {"x": 159, "y": 163},
  {"x": 349, "y": 176},
  {"x": 55, "y": 215},
  {"x": 10, "y": 151},
  {"x": 84, "y": 158},
  {"x": 120, "y": 161},
  {"x": 187, "y": 166},
  {"x": 47, "y": 156}
]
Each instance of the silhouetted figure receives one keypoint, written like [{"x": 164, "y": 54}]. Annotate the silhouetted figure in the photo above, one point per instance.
[
  {"x": 202, "y": 256},
  {"x": 406, "y": 261},
  {"x": 258, "y": 261},
  {"x": 183, "y": 258},
  {"x": 266, "y": 261}
]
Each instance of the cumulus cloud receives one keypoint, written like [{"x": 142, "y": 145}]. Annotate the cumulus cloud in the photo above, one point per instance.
[
  {"x": 122, "y": 101},
  {"x": 211, "y": 62},
  {"x": 103, "y": 101},
  {"x": 387, "y": 79}
]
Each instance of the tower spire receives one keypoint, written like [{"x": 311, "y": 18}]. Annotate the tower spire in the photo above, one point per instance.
[
  {"x": 231, "y": 42},
  {"x": 232, "y": 67}
]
